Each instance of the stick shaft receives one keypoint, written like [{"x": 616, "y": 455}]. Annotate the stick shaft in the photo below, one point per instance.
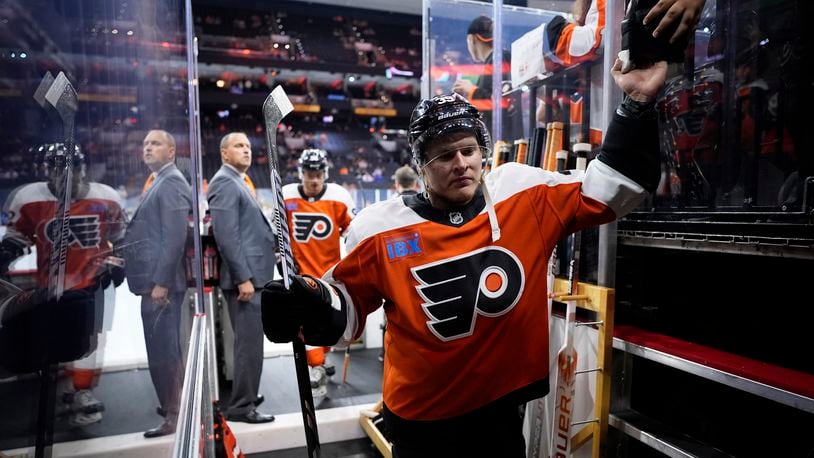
[{"x": 273, "y": 114}]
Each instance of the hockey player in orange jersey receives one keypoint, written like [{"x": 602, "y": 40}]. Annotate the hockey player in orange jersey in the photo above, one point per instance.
[
  {"x": 318, "y": 213},
  {"x": 461, "y": 271},
  {"x": 69, "y": 329}
]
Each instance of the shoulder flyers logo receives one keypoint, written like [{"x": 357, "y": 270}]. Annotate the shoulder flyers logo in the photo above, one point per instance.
[
  {"x": 488, "y": 281},
  {"x": 308, "y": 225}
]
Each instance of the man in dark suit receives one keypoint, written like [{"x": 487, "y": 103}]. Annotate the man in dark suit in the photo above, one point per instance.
[
  {"x": 154, "y": 250},
  {"x": 247, "y": 247}
]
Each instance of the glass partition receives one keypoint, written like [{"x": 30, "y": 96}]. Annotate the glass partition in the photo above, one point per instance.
[
  {"x": 732, "y": 125},
  {"x": 97, "y": 233},
  {"x": 454, "y": 64}
]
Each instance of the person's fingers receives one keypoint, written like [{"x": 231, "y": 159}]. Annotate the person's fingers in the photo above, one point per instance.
[
  {"x": 618, "y": 69},
  {"x": 687, "y": 22},
  {"x": 625, "y": 66},
  {"x": 669, "y": 18},
  {"x": 161, "y": 301},
  {"x": 656, "y": 10}
]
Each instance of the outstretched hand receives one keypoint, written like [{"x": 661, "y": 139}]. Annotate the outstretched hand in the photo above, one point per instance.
[
  {"x": 685, "y": 12},
  {"x": 641, "y": 84}
]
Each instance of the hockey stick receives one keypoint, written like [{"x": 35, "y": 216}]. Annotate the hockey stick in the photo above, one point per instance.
[
  {"x": 345, "y": 365},
  {"x": 62, "y": 96},
  {"x": 560, "y": 444},
  {"x": 56, "y": 94},
  {"x": 275, "y": 108},
  {"x": 538, "y": 406},
  {"x": 42, "y": 89}
]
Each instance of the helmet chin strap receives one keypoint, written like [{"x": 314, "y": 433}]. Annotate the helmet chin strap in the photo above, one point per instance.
[{"x": 490, "y": 210}]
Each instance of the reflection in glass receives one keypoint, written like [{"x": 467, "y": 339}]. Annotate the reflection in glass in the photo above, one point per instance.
[
  {"x": 730, "y": 129},
  {"x": 41, "y": 327},
  {"x": 461, "y": 55},
  {"x": 154, "y": 250},
  {"x": 66, "y": 362}
]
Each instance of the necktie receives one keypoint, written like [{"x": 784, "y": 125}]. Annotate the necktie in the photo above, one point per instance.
[
  {"x": 250, "y": 185},
  {"x": 148, "y": 183}
]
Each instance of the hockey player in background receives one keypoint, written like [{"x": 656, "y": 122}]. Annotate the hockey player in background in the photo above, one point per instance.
[
  {"x": 318, "y": 214},
  {"x": 460, "y": 269},
  {"x": 34, "y": 328}
]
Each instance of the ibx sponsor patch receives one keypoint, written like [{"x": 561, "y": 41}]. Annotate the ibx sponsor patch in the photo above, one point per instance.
[{"x": 403, "y": 246}]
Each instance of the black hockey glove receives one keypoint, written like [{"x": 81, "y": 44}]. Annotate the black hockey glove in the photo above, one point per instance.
[
  {"x": 36, "y": 331},
  {"x": 307, "y": 306},
  {"x": 10, "y": 249},
  {"x": 111, "y": 271},
  {"x": 638, "y": 45}
]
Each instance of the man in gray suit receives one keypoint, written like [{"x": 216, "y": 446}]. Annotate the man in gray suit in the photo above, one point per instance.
[
  {"x": 247, "y": 248},
  {"x": 154, "y": 251}
]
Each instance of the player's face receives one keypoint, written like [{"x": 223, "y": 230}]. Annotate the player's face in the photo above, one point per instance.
[
  {"x": 238, "y": 152},
  {"x": 56, "y": 179},
  {"x": 452, "y": 171},
  {"x": 156, "y": 150},
  {"x": 312, "y": 182}
]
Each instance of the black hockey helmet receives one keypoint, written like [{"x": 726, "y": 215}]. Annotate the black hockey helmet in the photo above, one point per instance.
[
  {"x": 53, "y": 156},
  {"x": 441, "y": 115},
  {"x": 313, "y": 159}
]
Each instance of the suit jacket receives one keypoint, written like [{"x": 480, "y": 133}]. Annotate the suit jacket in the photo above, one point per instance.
[
  {"x": 245, "y": 240},
  {"x": 156, "y": 235}
]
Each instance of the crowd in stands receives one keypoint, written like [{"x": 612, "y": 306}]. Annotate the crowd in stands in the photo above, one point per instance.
[
  {"x": 137, "y": 93},
  {"x": 355, "y": 153},
  {"x": 290, "y": 33}
]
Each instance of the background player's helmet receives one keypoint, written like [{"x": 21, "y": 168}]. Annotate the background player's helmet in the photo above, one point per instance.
[
  {"x": 53, "y": 156},
  {"x": 441, "y": 115},
  {"x": 313, "y": 159}
]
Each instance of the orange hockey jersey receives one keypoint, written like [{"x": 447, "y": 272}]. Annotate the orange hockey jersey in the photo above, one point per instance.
[
  {"x": 315, "y": 224},
  {"x": 96, "y": 218},
  {"x": 467, "y": 322},
  {"x": 574, "y": 43}
]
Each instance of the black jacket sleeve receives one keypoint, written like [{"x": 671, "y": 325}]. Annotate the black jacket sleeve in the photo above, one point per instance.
[{"x": 631, "y": 147}]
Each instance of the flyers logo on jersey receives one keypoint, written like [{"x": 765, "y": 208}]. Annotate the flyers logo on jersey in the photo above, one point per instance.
[
  {"x": 488, "y": 281},
  {"x": 308, "y": 225},
  {"x": 83, "y": 230}
]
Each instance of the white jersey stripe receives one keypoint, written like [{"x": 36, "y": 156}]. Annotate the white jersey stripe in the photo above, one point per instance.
[
  {"x": 600, "y": 182},
  {"x": 606, "y": 185},
  {"x": 353, "y": 320},
  {"x": 370, "y": 222}
]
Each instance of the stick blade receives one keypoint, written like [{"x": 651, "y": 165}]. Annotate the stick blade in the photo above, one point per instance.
[
  {"x": 62, "y": 96},
  {"x": 277, "y": 105},
  {"x": 45, "y": 84}
]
